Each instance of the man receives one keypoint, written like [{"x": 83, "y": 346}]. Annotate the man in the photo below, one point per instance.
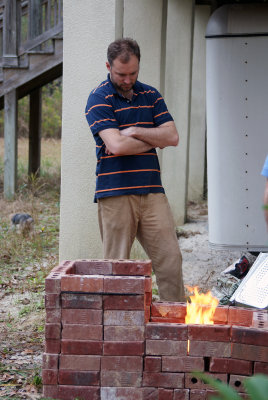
[
  {"x": 265, "y": 200},
  {"x": 129, "y": 120}
]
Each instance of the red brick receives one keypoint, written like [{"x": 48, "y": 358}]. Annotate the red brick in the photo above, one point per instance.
[
  {"x": 261, "y": 368},
  {"x": 121, "y": 378},
  {"x": 163, "y": 379},
  {"x": 82, "y": 332},
  {"x": 81, "y": 378},
  {"x": 209, "y": 349},
  {"x": 149, "y": 393},
  {"x": 80, "y": 363},
  {"x": 215, "y": 333},
  {"x": 124, "y": 284},
  {"x": 148, "y": 285},
  {"x": 50, "y": 391},
  {"x": 182, "y": 364},
  {"x": 52, "y": 300},
  {"x": 166, "y": 347},
  {"x": 231, "y": 366},
  {"x": 69, "y": 392},
  {"x": 165, "y": 394},
  {"x": 221, "y": 315},
  {"x": 236, "y": 382},
  {"x": 147, "y": 314},
  {"x": 81, "y": 316},
  {"x": 198, "y": 394},
  {"x": 122, "y": 363},
  {"x": 79, "y": 300},
  {"x": 240, "y": 316},
  {"x": 93, "y": 267},
  {"x": 166, "y": 331},
  {"x": 124, "y": 333},
  {"x": 53, "y": 283},
  {"x": 53, "y": 315},
  {"x": 191, "y": 382},
  {"x": 52, "y": 331},
  {"x": 82, "y": 283},
  {"x": 81, "y": 347},
  {"x": 50, "y": 376},
  {"x": 181, "y": 394},
  {"x": 249, "y": 352},
  {"x": 148, "y": 298},
  {"x": 123, "y": 318},
  {"x": 152, "y": 364},
  {"x": 168, "y": 310},
  {"x": 50, "y": 361},
  {"x": 123, "y": 348},
  {"x": 244, "y": 396},
  {"x": 123, "y": 302},
  {"x": 164, "y": 320},
  {"x": 129, "y": 267},
  {"x": 52, "y": 346},
  {"x": 122, "y": 393},
  {"x": 257, "y": 337}
]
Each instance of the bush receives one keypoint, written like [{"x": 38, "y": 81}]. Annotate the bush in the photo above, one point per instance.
[
  {"x": 256, "y": 387},
  {"x": 51, "y": 112}
]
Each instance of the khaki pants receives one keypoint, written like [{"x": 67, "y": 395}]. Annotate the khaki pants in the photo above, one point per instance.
[{"x": 147, "y": 217}]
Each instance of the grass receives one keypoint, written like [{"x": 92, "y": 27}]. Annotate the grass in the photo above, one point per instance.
[{"x": 24, "y": 263}]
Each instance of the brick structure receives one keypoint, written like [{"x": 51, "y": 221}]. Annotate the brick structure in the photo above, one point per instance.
[{"x": 106, "y": 340}]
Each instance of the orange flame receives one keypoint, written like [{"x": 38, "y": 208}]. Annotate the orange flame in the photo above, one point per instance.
[{"x": 202, "y": 307}]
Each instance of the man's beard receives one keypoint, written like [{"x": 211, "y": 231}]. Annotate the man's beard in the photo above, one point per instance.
[{"x": 123, "y": 88}]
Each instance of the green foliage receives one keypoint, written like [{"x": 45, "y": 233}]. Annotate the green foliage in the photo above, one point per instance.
[
  {"x": 51, "y": 112},
  {"x": 256, "y": 387}
]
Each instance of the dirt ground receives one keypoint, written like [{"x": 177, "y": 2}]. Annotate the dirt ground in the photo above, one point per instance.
[
  {"x": 20, "y": 350},
  {"x": 201, "y": 264}
]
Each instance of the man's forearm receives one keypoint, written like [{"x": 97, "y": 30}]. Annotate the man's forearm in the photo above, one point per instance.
[
  {"x": 122, "y": 145},
  {"x": 161, "y": 136},
  {"x": 129, "y": 146}
]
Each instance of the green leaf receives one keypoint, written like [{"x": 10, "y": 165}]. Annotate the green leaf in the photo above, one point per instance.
[
  {"x": 226, "y": 392},
  {"x": 257, "y": 387}
]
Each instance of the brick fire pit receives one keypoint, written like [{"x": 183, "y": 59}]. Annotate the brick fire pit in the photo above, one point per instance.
[{"x": 106, "y": 340}]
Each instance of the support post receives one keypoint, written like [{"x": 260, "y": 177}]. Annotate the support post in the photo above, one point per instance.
[
  {"x": 10, "y": 132},
  {"x": 11, "y": 28},
  {"x": 179, "y": 43},
  {"x": 35, "y": 132},
  {"x": 35, "y": 27}
]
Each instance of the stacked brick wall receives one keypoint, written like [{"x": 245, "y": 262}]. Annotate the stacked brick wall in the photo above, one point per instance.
[{"x": 106, "y": 340}]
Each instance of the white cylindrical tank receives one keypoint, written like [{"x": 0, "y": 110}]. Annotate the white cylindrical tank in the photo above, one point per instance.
[{"x": 237, "y": 125}]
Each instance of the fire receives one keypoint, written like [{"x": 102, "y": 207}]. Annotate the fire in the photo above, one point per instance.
[{"x": 202, "y": 307}]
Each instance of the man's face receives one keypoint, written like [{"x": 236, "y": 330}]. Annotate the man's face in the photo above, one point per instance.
[{"x": 124, "y": 75}]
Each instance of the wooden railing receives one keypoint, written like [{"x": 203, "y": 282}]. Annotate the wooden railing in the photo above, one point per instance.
[{"x": 27, "y": 25}]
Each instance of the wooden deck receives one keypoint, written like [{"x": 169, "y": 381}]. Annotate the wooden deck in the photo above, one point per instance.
[{"x": 30, "y": 57}]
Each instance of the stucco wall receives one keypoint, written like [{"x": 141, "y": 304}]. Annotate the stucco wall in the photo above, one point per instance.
[
  {"x": 163, "y": 29},
  {"x": 88, "y": 29}
]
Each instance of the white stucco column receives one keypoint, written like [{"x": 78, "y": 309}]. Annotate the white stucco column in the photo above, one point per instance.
[
  {"x": 147, "y": 31},
  {"x": 89, "y": 27},
  {"x": 177, "y": 95},
  {"x": 198, "y": 107}
]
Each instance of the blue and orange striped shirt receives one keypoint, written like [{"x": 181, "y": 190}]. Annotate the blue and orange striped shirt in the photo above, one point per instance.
[{"x": 129, "y": 174}]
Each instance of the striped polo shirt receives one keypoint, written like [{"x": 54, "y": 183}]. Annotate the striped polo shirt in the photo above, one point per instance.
[{"x": 129, "y": 174}]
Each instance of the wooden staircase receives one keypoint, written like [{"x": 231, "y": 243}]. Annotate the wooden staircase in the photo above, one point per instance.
[{"x": 30, "y": 57}]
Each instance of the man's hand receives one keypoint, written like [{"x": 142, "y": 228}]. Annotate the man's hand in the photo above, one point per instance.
[{"x": 130, "y": 132}]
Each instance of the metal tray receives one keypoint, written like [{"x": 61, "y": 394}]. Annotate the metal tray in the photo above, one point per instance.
[{"x": 253, "y": 290}]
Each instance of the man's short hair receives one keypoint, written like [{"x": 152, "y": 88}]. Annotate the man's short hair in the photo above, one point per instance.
[{"x": 123, "y": 49}]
